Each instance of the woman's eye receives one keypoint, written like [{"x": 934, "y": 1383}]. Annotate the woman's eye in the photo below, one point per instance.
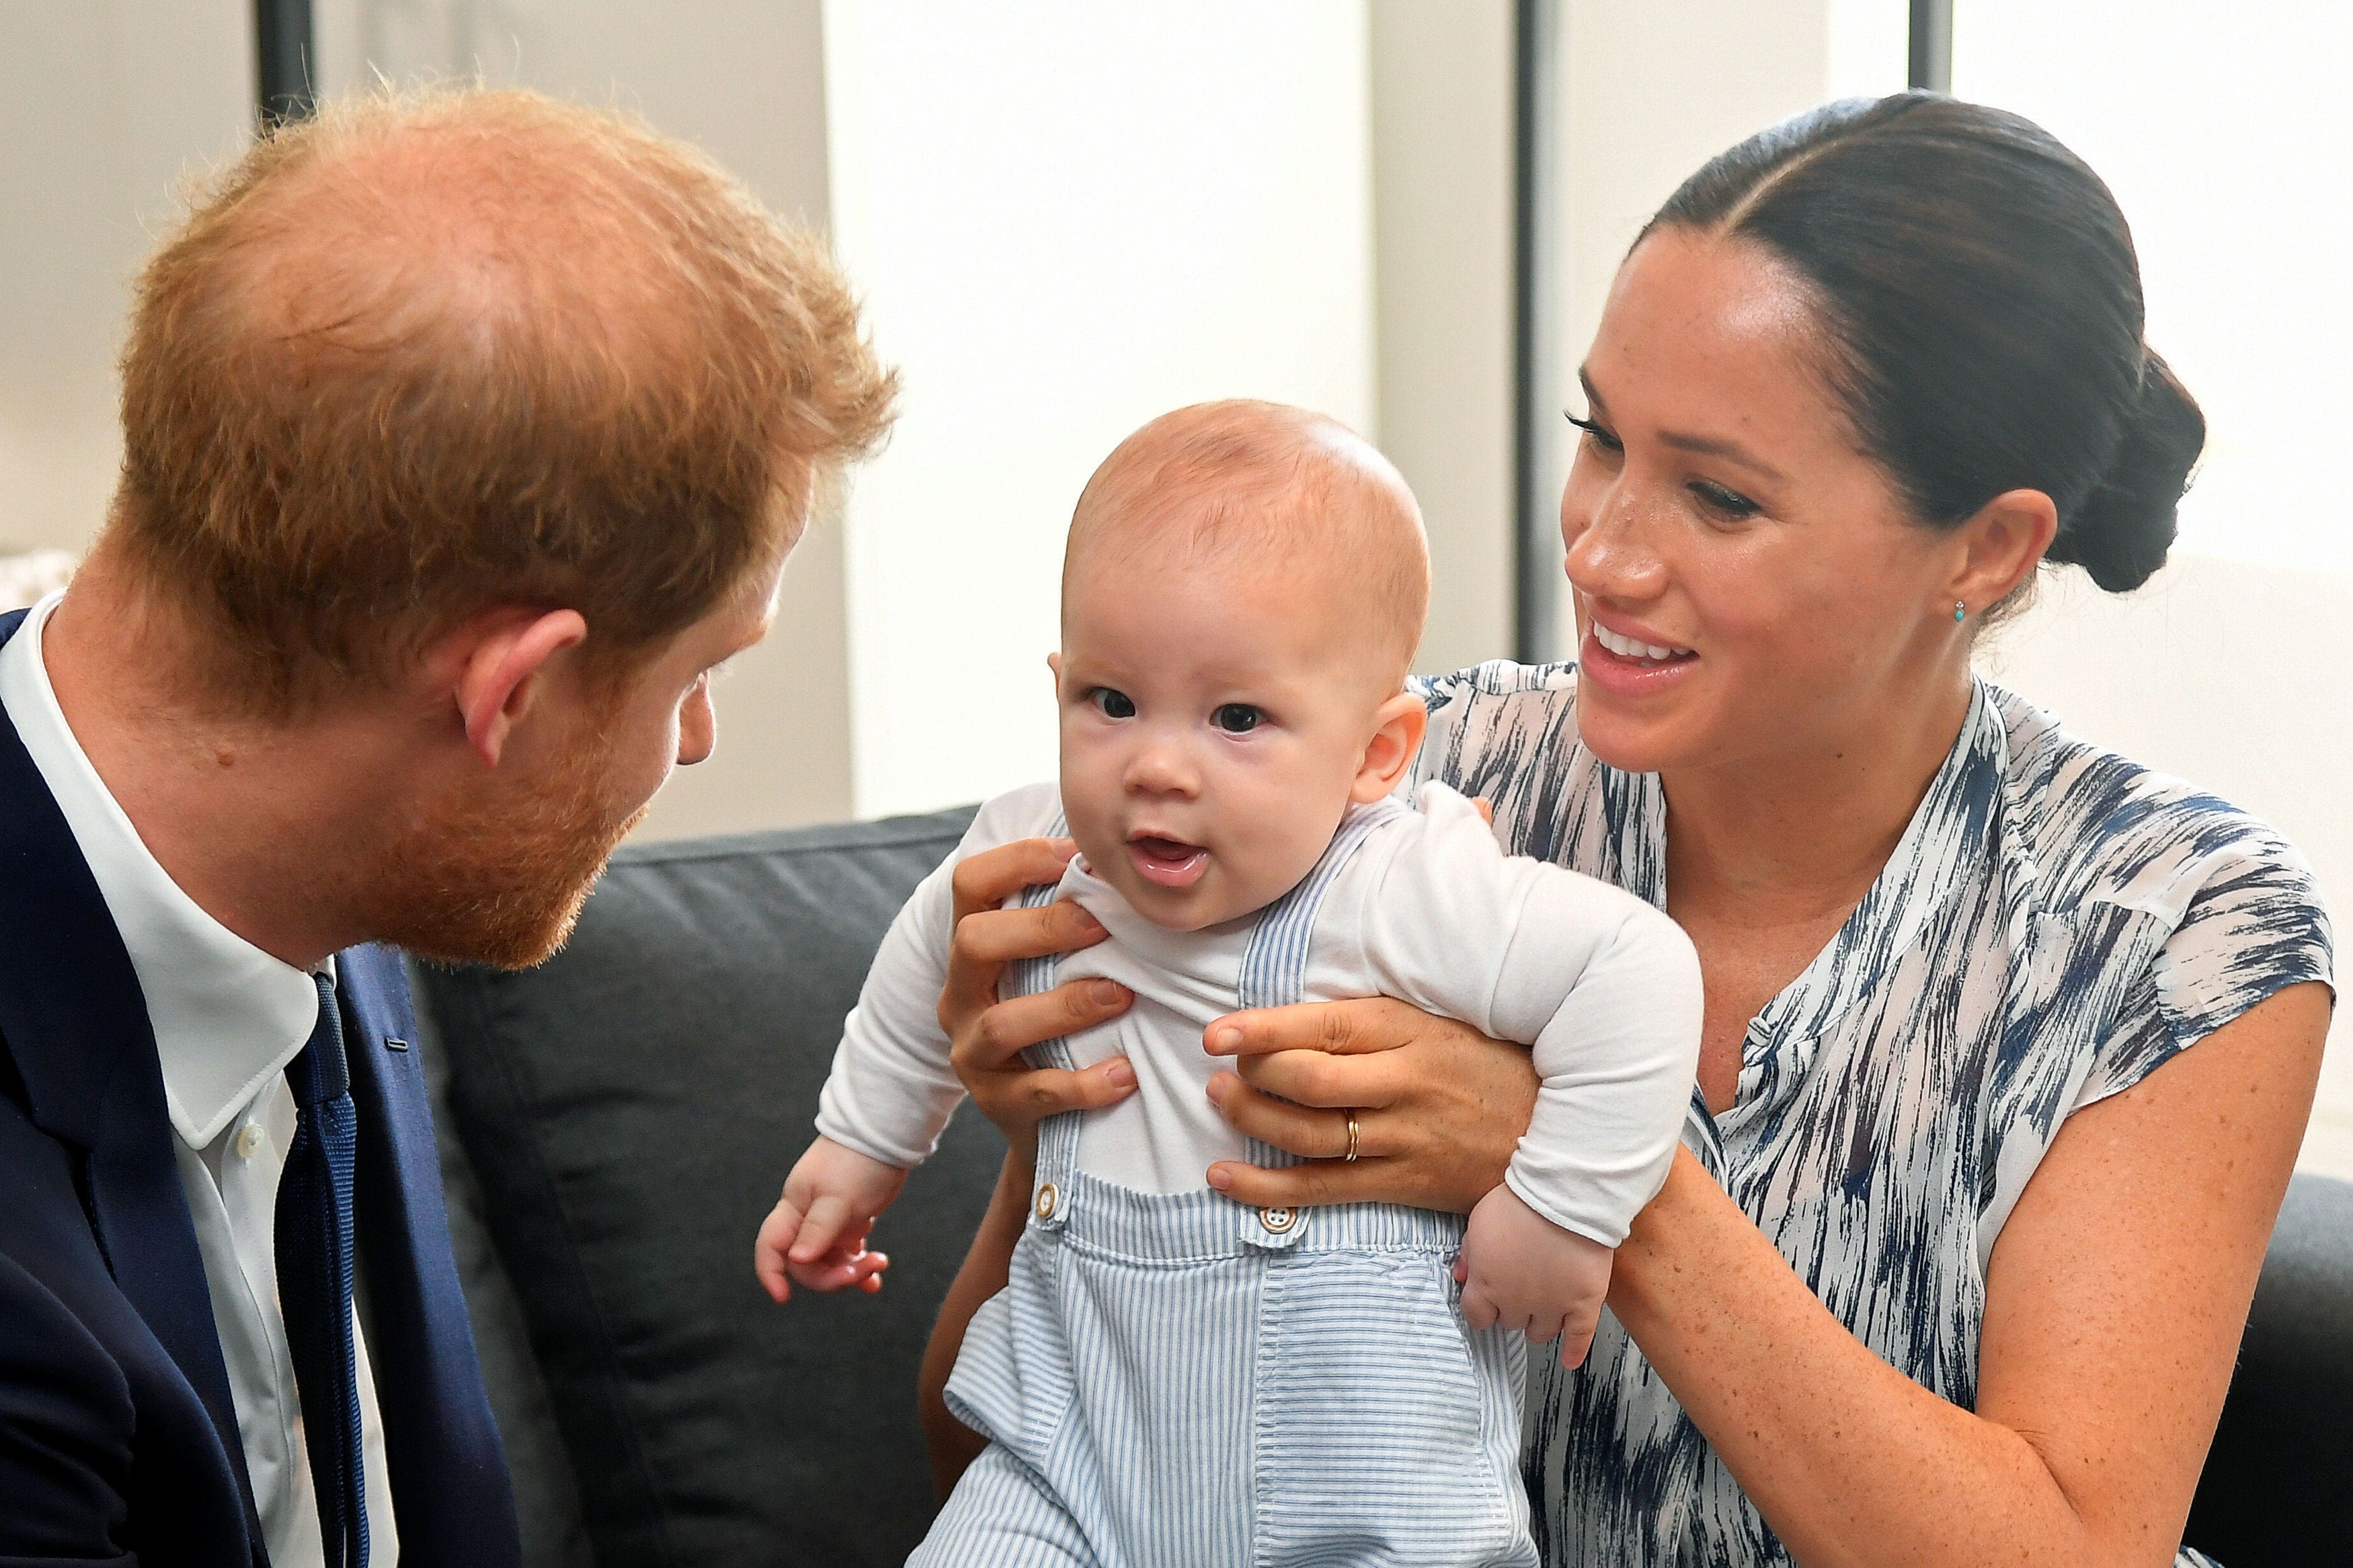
[
  {"x": 1112, "y": 704},
  {"x": 1236, "y": 717},
  {"x": 1598, "y": 436},
  {"x": 1730, "y": 503}
]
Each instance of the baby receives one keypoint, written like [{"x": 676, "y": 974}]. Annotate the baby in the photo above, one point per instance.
[{"x": 1170, "y": 1377}]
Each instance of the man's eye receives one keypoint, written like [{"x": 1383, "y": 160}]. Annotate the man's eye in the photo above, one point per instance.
[
  {"x": 1113, "y": 704},
  {"x": 1236, "y": 717}
]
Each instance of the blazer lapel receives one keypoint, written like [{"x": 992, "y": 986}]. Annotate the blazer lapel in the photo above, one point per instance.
[
  {"x": 76, "y": 1025},
  {"x": 450, "y": 1479}
]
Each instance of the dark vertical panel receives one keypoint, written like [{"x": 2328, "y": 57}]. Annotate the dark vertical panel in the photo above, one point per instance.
[
  {"x": 1535, "y": 283},
  {"x": 1931, "y": 45},
  {"x": 282, "y": 49}
]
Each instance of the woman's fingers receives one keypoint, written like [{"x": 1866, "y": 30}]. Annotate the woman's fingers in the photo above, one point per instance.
[
  {"x": 986, "y": 879},
  {"x": 989, "y": 937},
  {"x": 1330, "y": 1028},
  {"x": 1328, "y": 1083},
  {"x": 1439, "y": 1114},
  {"x": 1003, "y": 1030},
  {"x": 1306, "y": 1187},
  {"x": 1000, "y": 936},
  {"x": 987, "y": 941},
  {"x": 1316, "y": 1132},
  {"x": 1029, "y": 1096}
]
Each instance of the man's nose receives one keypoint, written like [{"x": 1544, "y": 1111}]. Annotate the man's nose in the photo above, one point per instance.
[{"x": 698, "y": 725}]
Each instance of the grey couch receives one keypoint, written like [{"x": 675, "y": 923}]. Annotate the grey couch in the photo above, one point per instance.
[{"x": 615, "y": 1123}]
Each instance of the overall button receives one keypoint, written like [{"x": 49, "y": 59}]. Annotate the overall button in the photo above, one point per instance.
[
  {"x": 1278, "y": 1220},
  {"x": 1047, "y": 1198}
]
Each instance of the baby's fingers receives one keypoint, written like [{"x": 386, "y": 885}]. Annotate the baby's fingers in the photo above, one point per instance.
[
  {"x": 1577, "y": 1338},
  {"x": 768, "y": 1253},
  {"x": 1479, "y": 1308},
  {"x": 843, "y": 1270},
  {"x": 823, "y": 1227}
]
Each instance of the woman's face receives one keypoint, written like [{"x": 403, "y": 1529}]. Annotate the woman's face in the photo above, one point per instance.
[{"x": 1718, "y": 514}]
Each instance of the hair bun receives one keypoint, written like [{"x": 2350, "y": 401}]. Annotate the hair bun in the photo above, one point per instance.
[{"x": 2120, "y": 533}]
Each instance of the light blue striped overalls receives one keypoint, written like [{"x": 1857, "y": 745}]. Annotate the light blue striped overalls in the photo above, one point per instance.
[{"x": 1176, "y": 1381}]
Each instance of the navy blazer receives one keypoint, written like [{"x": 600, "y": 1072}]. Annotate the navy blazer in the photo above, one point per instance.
[{"x": 118, "y": 1439}]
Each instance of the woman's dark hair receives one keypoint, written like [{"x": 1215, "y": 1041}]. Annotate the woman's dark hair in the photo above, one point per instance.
[{"x": 1983, "y": 304}]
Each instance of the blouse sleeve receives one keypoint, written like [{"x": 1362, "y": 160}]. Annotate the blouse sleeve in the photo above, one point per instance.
[{"x": 2254, "y": 924}]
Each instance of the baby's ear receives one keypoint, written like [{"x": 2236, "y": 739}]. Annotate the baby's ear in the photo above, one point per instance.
[
  {"x": 1397, "y": 727},
  {"x": 1054, "y": 663}
]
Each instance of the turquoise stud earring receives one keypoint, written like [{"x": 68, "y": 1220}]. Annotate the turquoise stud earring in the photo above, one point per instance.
[{"x": 1960, "y": 611}]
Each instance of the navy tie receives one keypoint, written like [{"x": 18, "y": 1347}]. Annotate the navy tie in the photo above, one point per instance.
[{"x": 315, "y": 1280}]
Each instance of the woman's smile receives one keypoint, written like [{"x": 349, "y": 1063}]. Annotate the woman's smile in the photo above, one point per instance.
[{"x": 1630, "y": 660}]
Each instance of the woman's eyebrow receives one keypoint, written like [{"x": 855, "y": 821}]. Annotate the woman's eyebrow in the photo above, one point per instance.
[{"x": 1705, "y": 445}]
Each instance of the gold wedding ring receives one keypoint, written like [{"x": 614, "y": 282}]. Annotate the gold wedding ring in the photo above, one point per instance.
[{"x": 1351, "y": 1157}]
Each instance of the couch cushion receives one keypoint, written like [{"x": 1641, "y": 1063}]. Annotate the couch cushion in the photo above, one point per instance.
[
  {"x": 630, "y": 1109},
  {"x": 2278, "y": 1486}
]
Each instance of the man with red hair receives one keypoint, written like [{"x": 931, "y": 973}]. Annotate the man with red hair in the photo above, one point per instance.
[{"x": 463, "y": 436}]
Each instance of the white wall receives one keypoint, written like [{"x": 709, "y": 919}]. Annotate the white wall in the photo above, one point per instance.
[
  {"x": 744, "y": 80},
  {"x": 109, "y": 106},
  {"x": 1067, "y": 219},
  {"x": 1441, "y": 106}
]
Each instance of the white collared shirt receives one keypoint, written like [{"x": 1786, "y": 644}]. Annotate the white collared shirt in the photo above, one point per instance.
[{"x": 227, "y": 1017}]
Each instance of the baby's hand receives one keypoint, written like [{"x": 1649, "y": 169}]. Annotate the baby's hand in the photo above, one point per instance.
[
  {"x": 1521, "y": 1270},
  {"x": 816, "y": 1232}
]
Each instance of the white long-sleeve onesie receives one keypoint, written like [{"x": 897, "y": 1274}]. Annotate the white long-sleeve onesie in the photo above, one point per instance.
[{"x": 1428, "y": 909}]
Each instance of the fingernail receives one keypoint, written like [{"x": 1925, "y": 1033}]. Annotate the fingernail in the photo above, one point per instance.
[
  {"x": 1088, "y": 924},
  {"x": 1121, "y": 1073},
  {"x": 1104, "y": 993},
  {"x": 1220, "y": 1178},
  {"x": 1225, "y": 1042}
]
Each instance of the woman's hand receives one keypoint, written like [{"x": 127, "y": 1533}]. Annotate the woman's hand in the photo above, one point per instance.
[
  {"x": 1439, "y": 1106},
  {"x": 987, "y": 1035}
]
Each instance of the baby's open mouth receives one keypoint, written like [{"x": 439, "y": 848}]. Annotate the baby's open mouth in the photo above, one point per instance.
[{"x": 1166, "y": 862}]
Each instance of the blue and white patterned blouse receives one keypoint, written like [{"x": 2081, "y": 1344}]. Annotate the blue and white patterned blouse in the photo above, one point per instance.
[{"x": 2055, "y": 924}]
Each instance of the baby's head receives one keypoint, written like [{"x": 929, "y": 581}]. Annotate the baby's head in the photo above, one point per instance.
[{"x": 1242, "y": 593}]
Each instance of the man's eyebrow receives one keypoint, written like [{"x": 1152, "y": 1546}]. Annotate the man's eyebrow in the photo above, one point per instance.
[{"x": 1705, "y": 445}]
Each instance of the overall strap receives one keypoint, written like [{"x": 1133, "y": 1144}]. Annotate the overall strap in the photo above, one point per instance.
[
  {"x": 1275, "y": 967},
  {"x": 1058, "y": 1136},
  {"x": 1275, "y": 964}
]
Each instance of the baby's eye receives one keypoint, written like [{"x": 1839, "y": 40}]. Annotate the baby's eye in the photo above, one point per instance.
[
  {"x": 1112, "y": 704},
  {"x": 1236, "y": 717}
]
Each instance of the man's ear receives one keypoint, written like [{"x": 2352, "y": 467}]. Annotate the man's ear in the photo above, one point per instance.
[
  {"x": 502, "y": 673},
  {"x": 1397, "y": 727},
  {"x": 2001, "y": 547}
]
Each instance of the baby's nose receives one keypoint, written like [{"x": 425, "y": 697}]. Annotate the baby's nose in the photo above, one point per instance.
[{"x": 1160, "y": 769}]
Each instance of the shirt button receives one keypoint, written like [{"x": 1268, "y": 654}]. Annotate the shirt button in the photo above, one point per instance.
[
  {"x": 1046, "y": 1200},
  {"x": 1278, "y": 1220},
  {"x": 248, "y": 1142}
]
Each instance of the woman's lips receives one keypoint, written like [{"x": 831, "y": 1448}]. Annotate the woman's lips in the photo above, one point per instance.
[
  {"x": 1167, "y": 862},
  {"x": 1617, "y": 672}
]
